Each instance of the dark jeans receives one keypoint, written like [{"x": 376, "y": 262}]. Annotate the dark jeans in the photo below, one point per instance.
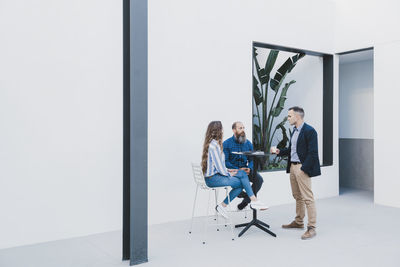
[{"x": 256, "y": 186}]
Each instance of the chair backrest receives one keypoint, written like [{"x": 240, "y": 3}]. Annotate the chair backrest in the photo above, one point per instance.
[{"x": 198, "y": 176}]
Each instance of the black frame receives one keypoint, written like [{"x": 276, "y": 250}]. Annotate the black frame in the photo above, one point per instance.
[
  {"x": 126, "y": 134},
  {"x": 355, "y": 51},
  {"x": 327, "y": 113}
]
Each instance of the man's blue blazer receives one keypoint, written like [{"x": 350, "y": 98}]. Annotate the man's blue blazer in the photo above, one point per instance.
[{"x": 307, "y": 150}]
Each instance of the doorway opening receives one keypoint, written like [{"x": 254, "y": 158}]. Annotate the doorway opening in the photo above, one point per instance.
[{"x": 356, "y": 121}]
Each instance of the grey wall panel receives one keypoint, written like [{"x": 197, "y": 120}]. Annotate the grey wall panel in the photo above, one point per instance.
[
  {"x": 135, "y": 223},
  {"x": 356, "y": 163},
  {"x": 138, "y": 128}
]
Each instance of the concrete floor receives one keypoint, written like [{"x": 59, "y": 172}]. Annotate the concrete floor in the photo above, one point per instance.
[{"x": 352, "y": 231}]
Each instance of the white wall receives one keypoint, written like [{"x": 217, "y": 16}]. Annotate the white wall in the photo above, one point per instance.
[
  {"x": 356, "y": 97},
  {"x": 200, "y": 70},
  {"x": 61, "y": 101},
  {"x": 61, "y": 104},
  {"x": 387, "y": 142},
  {"x": 365, "y": 23},
  {"x": 375, "y": 23},
  {"x": 61, "y": 119}
]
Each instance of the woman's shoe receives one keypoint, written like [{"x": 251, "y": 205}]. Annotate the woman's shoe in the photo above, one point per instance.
[
  {"x": 258, "y": 205},
  {"x": 222, "y": 211}
]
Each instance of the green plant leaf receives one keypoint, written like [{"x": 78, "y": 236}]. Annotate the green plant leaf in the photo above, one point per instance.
[
  {"x": 281, "y": 103},
  {"x": 286, "y": 67},
  {"x": 262, "y": 76},
  {"x": 269, "y": 64},
  {"x": 256, "y": 92},
  {"x": 282, "y": 123},
  {"x": 295, "y": 59},
  {"x": 257, "y": 132},
  {"x": 280, "y": 74},
  {"x": 282, "y": 144},
  {"x": 255, "y": 51}
]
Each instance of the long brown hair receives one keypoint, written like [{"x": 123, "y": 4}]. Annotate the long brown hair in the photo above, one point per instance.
[{"x": 214, "y": 131}]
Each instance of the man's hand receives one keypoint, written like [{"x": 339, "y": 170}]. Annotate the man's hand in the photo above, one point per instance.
[
  {"x": 233, "y": 172},
  {"x": 247, "y": 170},
  {"x": 274, "y": 150}
]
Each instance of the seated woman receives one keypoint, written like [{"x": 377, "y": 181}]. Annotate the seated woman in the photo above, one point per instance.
[{"x": 216, "y": 174}]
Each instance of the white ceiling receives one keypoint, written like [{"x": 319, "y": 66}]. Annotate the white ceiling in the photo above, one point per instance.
[{"x": 356, "y": 57}]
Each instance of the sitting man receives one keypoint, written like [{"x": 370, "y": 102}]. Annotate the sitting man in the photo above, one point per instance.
[{"x": 239, "y": 143}]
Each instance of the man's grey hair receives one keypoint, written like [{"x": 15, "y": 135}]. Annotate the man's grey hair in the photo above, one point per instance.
[
  {"x": 298, "y": 110},
  {"x": 235, "y": 123}
]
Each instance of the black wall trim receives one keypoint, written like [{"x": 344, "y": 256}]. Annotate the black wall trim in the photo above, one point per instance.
[
  {"x": 288, "y": 49},
  {"x": 327, "y": 117},
  {"x": 126, "y": 133},
  {"x": 135, "y": 150},
  {"x": 327, "y": 124},
  {"x": 355, "y": 51}
]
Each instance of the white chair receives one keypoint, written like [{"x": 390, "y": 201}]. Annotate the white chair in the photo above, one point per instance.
[{"x": 201, "y": 184}]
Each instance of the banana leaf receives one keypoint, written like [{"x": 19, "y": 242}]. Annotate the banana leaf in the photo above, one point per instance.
[
  {"x": 269, "y": 64},
  {"x": 281, "y": 103},
  {"x": 255, "y": 51},
  {"x": 256, "y": 137},
  {"x": 282, "y": 123},
  {"x": 282, "y": 144},
  {"x": 295, "y": 58},
  {"x": 256, "y": 92},
  {"x": 283, "y": 70},
  {"x": 262, "y": 76},
  {"x": 257, "y": 129}
]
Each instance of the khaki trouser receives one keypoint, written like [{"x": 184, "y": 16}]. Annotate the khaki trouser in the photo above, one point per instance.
[{"x": 302, "y": 193}]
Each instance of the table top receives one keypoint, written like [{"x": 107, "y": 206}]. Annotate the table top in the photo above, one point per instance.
[{"x": 252, "y": 153}]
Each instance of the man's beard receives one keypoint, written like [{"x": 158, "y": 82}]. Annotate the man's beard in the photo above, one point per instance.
[{"x": 241, "y": 138}]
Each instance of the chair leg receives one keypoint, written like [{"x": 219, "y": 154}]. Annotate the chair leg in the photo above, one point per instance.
[
  {"x": 206, "y": 219},
  {"x": 230, "y": 219},
  {"x": 194, "y": 206},
  {"x": 229, "y": 206},
  {"x": 216, "y": 203}
]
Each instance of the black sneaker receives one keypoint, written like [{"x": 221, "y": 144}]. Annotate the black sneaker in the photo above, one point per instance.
[
  {"x": 242, "y": 195},
  {"x": 242, "y": 205}
]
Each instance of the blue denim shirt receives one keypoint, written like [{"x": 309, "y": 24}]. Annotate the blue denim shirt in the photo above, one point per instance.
[{"x": 233, "y": 161}]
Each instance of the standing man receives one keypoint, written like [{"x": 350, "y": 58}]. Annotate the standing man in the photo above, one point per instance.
[
  {"x": 239, "y": 143},
  {"x": 303, "y": 163}
]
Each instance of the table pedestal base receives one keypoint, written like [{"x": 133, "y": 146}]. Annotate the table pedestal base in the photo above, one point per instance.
[{"x": 256, "y": 222}]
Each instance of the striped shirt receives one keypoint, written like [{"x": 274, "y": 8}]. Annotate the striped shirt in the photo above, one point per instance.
[{"x": 215, "y": 160}]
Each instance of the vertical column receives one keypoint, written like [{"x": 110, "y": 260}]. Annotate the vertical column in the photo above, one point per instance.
[
  {"x": 126, "y": 133},
  {"x": 138, "y": 127},
  {"x": 135, "y": 131},
  {"x": 327, "y": 124}
]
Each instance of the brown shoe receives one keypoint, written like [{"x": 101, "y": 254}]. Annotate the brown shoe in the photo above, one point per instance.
[
  {"x": 293, "y": 225},
  {"x": 310, "y": 233}
]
